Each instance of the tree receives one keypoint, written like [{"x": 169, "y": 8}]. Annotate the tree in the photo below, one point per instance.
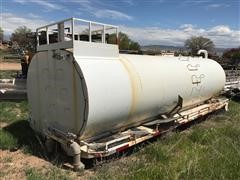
[
  {"x": 1, "y": 34},
  {"x": 125, "y": 43},
  {"x": 134, "y": 46},
  {"x": 232, "y": 56},
  {"x": 20, "y": 36},
  {"x": 196, "y": 43}
]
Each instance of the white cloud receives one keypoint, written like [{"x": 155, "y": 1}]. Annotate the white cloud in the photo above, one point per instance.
[
  {"x": 35, "y": 16},
  {"x": 12, "y": 21},
  {"x": 213, "y": 6},
  {"x": 46, "y": 4},
  {"x": 196, "y": 1},
  {"x": 222, "y": 36},
  {"x": 183, "y": 26},
  {"x": 129, "y": 2},
  {"x": 206, "y": 4},
  {"x": 221, "y": 30},
  {"x": 91, "y": 8},
  {"x": 107, "y": 13},
  {"x": 21, "y": 1}
]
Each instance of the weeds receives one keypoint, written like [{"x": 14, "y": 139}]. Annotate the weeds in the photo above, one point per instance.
[
  {"x": 11, "y": 111},
  {"x": 17, "y": 134},
  {"x": 52, "y": 173},
  {"x": 8, "y": 74},
  {"x": 7, "y": 140},
  {"x": 209, "y": 150},
  {"x": 33, "y": 174},
  {"x": 7, "y": 159}
]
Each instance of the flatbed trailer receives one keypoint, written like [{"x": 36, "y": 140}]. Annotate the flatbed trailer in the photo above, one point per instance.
[{"x": 101, "y": 147}]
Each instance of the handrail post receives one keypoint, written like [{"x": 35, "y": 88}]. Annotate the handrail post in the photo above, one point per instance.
[
  {"x": 103, "y": 36},
  {"x": 90, "y": 32},
  {"x": 117, "y": 37},
  {"x": 37, "y": 37},
  {"x": 73, "y": 30},
  {"x": 47, "y": 35}
]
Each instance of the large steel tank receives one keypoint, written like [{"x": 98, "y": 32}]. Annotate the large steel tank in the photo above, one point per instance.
[{"x": 91, "y": 96}]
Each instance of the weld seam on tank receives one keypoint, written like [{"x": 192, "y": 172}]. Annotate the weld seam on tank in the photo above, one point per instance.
[
  {"x": 85, "y": 94},
  {"x": 75, "y": 98}
]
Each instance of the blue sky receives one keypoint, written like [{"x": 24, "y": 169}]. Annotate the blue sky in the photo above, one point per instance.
[{"x": 166, "y": 22}]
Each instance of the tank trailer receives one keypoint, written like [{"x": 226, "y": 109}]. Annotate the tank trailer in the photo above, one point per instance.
[{"x": 96, "y": 102}]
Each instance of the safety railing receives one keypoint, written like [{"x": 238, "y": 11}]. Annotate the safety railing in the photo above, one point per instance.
[{"x": 62, "y": 34}]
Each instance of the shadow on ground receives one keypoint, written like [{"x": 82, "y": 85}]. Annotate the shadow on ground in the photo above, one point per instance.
[
  {"x": 26, "y": 138},
  {"x": 32, "y": 143}
]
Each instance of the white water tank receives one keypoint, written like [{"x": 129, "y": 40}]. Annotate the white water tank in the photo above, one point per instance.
[
  {"x": 89, "y": 96},
  {"x": 90, "y": 90}
]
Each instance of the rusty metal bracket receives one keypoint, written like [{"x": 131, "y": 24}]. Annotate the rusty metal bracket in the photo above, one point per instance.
[
  {"x": 60, "y": 136},
  {"x": 177, "y": 108}
]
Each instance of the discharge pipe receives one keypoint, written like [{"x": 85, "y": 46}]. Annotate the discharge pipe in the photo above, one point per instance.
[{"x": 76, "y": 153}]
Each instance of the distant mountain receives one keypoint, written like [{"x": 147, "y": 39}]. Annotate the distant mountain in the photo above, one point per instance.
[
  {"x": 157, "y": 48},
  {"x": 162, "y": 48}
]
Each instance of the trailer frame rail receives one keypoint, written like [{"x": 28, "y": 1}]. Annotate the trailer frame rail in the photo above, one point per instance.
[{"x": 133, "y": 136}]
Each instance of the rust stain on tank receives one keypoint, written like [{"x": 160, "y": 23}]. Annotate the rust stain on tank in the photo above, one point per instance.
[{"x": 133, "y": 77}]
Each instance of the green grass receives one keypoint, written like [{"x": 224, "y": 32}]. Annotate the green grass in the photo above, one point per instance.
[
  {"x": 8, "y": 74},
  {"x": 16, "y": 132},
  {"x": 9, "y": 56},
  {"x": 19, "y": 135},
  {"x": 33, "y": 174},
  {"x": 11, "y": 111},
  {"x": 209, "y": 150},
  {"x": 13, "y": 115},
  {"x": 3, "y": 53},
  {"x": 52, "y": 173},
  {"x": 7, "y": 140}
]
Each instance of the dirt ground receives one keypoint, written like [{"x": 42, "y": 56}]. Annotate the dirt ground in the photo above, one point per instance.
[
  {"x": 10, "y": 66},
  {"x": 3, "y": 124},
  {"x": 14, "y": 164}
]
